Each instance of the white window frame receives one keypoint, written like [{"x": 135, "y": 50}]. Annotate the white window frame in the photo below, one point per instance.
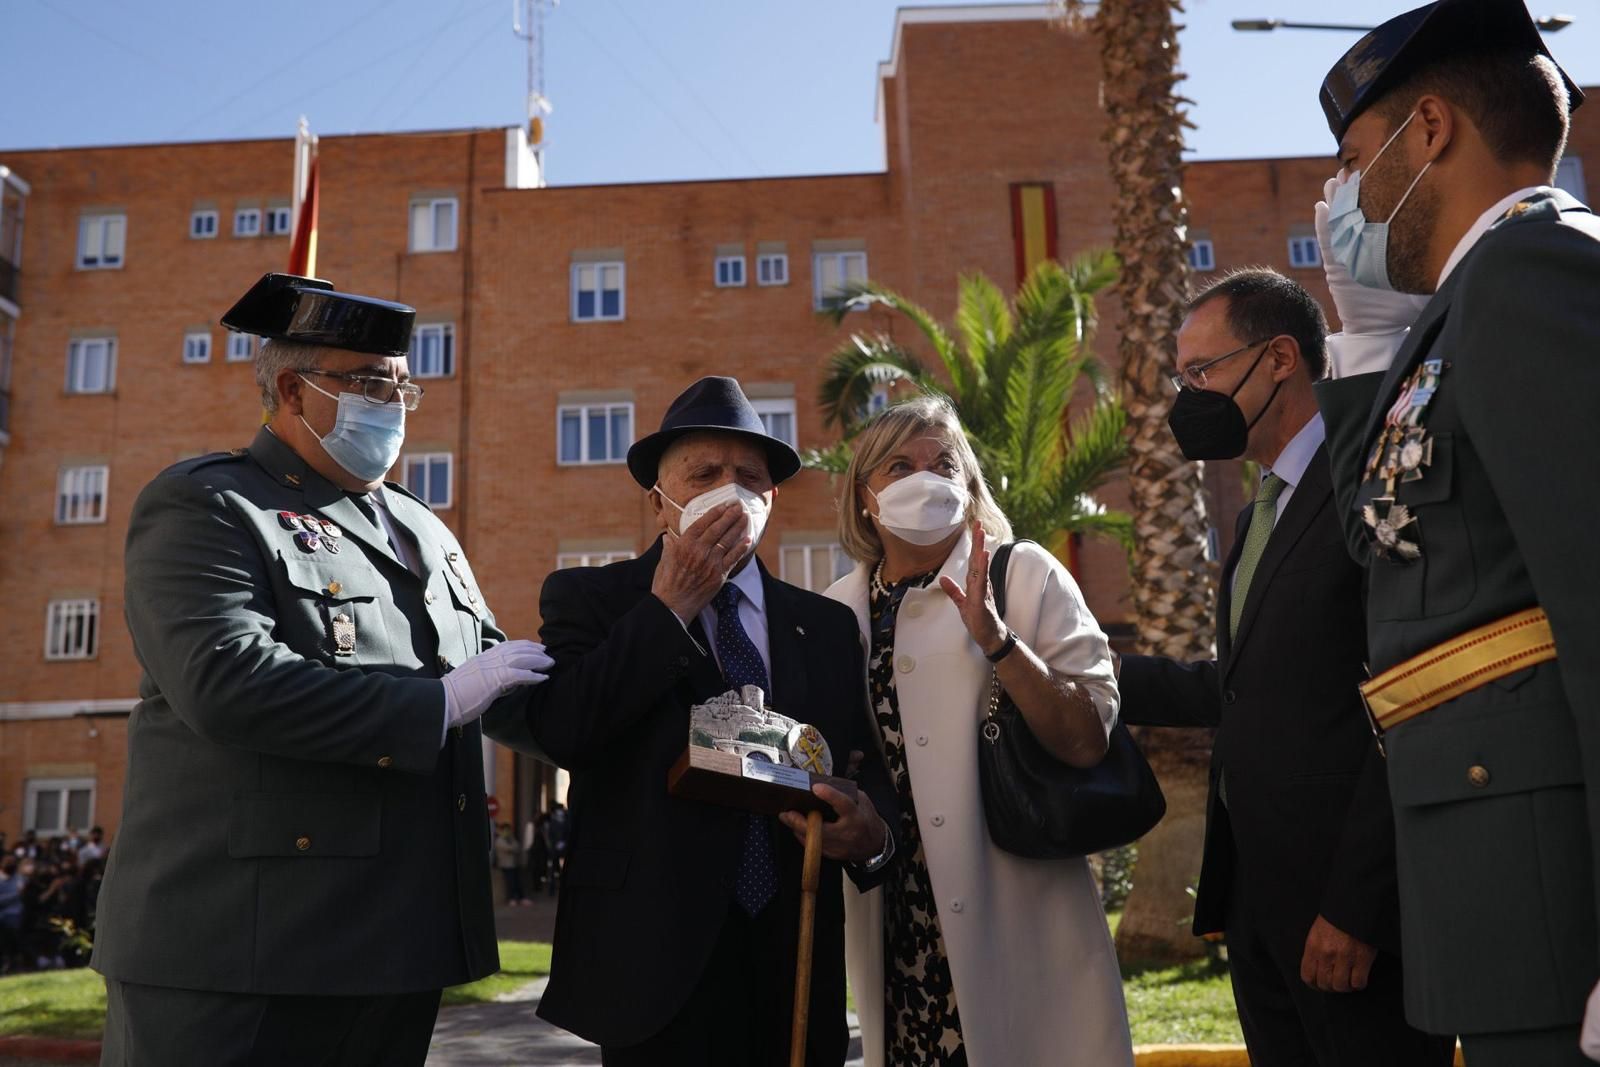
[
  {"x": 424, "y": 227},
  {"x": 772, "y": 268},
  {"x": 77, "y": 350},
  {"x": 242, "y": 347},
  {"x": 424, "y": 461},
  {"x": 820, "y": 298},
  {"x": 81, "y": 493},
  {"x": 203, "y": 225},
  {"x": 446, "y": 334},
  {"x": 33, "y": 787},
  {"x": 1202, "y": 255},
  {"x": 197, "y": 347},
  {"x": 1569, "y": 177},
  {"x": 1304, "y": 252},
  {"x": 782, "y": 405},
  {"x": 102, "y": 241},
  {"x": 247, "y": 222},
  {"x": 735, "y": 273},
  {"x": 584, "y": 411},
  {"x": 599, "y": 267},
  {"x": 835, "y": 555},
  {"x": 59, "y": 615},
  {"x": 277, "y": 222},
  {"x": 599, "y": 558}
]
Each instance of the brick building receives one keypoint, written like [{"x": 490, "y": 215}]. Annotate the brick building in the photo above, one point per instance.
[{"x": 554, "y": 325}]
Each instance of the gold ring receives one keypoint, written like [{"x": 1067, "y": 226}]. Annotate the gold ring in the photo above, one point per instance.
[{"x": 722, "y": 546}]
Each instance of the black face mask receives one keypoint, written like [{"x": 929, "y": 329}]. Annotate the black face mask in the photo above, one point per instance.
[{"x": 1210, "y": 425}]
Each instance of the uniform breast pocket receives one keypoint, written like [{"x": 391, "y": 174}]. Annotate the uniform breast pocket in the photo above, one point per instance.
[
  {"x": 1443, "y": 579},
  {"x": 337, "y": 614}
]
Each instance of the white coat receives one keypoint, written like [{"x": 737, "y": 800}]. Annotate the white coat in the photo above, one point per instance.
[{"x": 1035, "y": 973}]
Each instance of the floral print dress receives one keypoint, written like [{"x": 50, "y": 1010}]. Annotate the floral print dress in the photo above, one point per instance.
[{"x": 921, "y": 1022}]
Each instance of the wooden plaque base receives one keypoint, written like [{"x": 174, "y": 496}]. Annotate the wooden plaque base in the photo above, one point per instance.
[{"x": 713, "y": 777}]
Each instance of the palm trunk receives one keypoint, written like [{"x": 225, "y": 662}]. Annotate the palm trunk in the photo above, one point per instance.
[{"x": 1172, "y": 580}]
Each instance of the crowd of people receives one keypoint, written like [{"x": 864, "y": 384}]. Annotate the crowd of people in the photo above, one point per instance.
[
  {"x": 540, "y": 853},
  {"x": 49, "y": 889}
]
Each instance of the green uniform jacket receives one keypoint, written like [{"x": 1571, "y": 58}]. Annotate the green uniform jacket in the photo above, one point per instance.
[
  {"x": 1497, "y": 883},
  {"x": 295, "y": 818}
]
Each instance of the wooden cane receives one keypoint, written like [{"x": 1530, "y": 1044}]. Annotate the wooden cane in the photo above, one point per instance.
[{"x": 809, "y": 873}]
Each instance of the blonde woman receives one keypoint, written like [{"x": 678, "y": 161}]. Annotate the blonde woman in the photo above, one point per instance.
[{"x": 968, "y": 954}]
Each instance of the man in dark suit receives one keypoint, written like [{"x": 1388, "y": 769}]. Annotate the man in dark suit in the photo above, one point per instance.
[
  {"x": 1463, "y": 457},
  {"x": 675, "y": 934},
  {"x": 303, "y": 859},
  {"x": 1298, "y": 869}
]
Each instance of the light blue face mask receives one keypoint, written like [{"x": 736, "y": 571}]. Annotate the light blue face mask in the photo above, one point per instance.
[
  {"x": 1362, "y": 247},
  {"x": 366, "y": 437}
]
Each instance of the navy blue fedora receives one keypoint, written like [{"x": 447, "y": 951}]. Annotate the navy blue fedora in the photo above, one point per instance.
[{"x": 716, "y": 404}]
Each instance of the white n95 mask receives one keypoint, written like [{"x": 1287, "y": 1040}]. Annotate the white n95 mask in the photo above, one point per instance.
[
  {"x": 756, "y": 507},
  {"x": 922, "y": 508}
]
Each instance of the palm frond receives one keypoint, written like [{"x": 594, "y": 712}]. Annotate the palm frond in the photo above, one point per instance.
[
  {"x": 856, "y": 369},
  {"x": 835, "y": 459},
  {"x": 861, "y": 295}
]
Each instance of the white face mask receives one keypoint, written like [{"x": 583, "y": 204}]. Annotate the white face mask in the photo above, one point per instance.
[
  {"x": 756, "y": 507},
  {"x": 922, "y": 508}
]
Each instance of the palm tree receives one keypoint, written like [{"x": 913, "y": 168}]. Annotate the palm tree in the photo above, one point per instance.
[
  {"x": 1011, "y": 372},
  {"x": 1172, "y": 579}
]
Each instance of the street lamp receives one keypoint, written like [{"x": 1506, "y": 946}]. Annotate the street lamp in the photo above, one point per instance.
[{"x": 1547, "y": 23}]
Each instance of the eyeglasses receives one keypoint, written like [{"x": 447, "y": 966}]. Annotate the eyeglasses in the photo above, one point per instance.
[
  {"x": 378, "y": 389},
  {"x": 1194, "y": 375}
]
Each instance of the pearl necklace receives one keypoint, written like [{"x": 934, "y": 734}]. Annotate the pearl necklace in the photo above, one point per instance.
[{"x": 878, "y": 588}]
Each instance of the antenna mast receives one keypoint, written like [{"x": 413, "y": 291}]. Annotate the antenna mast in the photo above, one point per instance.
[{"x": 527, "y": 22}]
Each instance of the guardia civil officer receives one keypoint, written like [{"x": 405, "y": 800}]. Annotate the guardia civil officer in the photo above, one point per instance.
[
  {"x": 302, "y": 863},
  {"x": 1454, "y": 449}
]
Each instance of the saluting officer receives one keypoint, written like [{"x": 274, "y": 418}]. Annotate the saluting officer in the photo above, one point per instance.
[
  {"x": 1464, "y": 454},
  {"x": 302, "y": 863}
]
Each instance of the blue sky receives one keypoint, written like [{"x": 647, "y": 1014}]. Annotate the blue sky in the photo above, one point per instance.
[{"x": 643, "y": 89}]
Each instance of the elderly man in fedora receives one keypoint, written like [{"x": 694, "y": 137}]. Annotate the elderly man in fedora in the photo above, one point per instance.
[{"x": 675, "y": 938}]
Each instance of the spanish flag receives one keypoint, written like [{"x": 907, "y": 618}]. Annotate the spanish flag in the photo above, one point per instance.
[{"x": 303, "y": 247}]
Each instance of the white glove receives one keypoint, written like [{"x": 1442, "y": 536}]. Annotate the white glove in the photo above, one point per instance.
[
  {"x": 1589, "y": 1036},
  {"x": 490, "y": 675},
  {"x": 1362, "y": 309}
]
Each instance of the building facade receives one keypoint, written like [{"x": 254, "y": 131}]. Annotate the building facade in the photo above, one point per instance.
[{"x": 554, "y": 326}]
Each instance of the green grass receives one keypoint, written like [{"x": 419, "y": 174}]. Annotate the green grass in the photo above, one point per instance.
[{"x": 1175, "y": 1004}]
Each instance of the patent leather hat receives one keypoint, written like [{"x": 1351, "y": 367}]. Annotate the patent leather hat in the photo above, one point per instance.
[{"x": 309, "y": 310}]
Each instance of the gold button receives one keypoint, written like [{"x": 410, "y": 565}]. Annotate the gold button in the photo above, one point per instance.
[
  {"x": 333, "y": 588},
  {"x": 1478, "y": 775},
  {"x": 386, "y": 761},
  {"x": 302, "y": 843},
  {"x": 427, "y": 598},
  {"x": 461, "y": 802}
]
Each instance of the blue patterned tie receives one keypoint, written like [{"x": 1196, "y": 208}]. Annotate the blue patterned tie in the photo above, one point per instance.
[{"x": 742, "y": 666}]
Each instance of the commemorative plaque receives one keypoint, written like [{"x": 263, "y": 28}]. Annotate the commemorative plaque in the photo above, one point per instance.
[{"x": 742, "y": 754}]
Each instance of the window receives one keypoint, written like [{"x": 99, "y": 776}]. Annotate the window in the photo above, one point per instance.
[
  {"x": 100, "y": 241},
  {"x": 72, "y": 629},
  {"x": 591, "y": 559},
  {"x": 278, "y": 222},
  {"x": 777, "y": 418},
  {"x": 197, "y": 348},
  {"x": 428, "y": 476},
  {"x": 433, "y": 350},
  {"x": 1569, "y": 178},
  {"x": 203, "y": 224},
  {"x": 597, "y": 292},
  {"x": 772, "y": 268},
  {"x": 92, "y": 365},
  {"x": 247, "y": 222},
  {"x": 1303, "y": 252},
  {"x": 433, "y": 224},
  {"x": 1201, "y": 255},
  {"x": 879, "y": 398},
  {"x": 52, "y": 806},
  {"x": 831, "y": 270},
  {"x": 242, "y": 347},
  {"x": 594, "y": 433},
  {"x": 813, "y": 567},
  {"x": 730, "y": 271},
  {"x": 81, "y": 495}
]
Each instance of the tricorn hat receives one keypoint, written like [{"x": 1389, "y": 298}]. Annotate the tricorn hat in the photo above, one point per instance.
[
  {"x": 309, "y": 310},
  {"x": 716, "y": 404},
  {"x": 1406, "y": 43}
]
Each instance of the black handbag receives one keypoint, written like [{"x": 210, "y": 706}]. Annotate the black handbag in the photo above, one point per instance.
[{"x": 1039, "y": 807}]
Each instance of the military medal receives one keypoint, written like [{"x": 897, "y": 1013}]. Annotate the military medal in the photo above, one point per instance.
[
  {"x": 1388, "y": 520},
  {"x": 331, "y": 544},
  {"x": 344, "y": 635},
  {"x": 1414, "y": 453},
  {"x": 329, "y": 529},
  {"x": 307, "y": 541},
  {"x": 289, "y": 521}
]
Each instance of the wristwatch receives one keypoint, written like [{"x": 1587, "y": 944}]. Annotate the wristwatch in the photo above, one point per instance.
[
  {"x": 1005, "y": 647},
  {"x": 877, "y": 862}
]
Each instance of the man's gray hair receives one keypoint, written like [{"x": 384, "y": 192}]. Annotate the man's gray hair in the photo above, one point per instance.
[{"x": 277, "y": 356}]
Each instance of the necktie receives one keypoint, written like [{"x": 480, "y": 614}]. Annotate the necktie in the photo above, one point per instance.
[
  {"x": 1262, "y": 515},
  {"x": 741, "y": 666}
]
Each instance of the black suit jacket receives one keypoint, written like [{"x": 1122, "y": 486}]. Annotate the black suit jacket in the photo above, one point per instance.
[
  {"x": 1308, "y": 817},
  {"x": 649, "y": 878}
]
